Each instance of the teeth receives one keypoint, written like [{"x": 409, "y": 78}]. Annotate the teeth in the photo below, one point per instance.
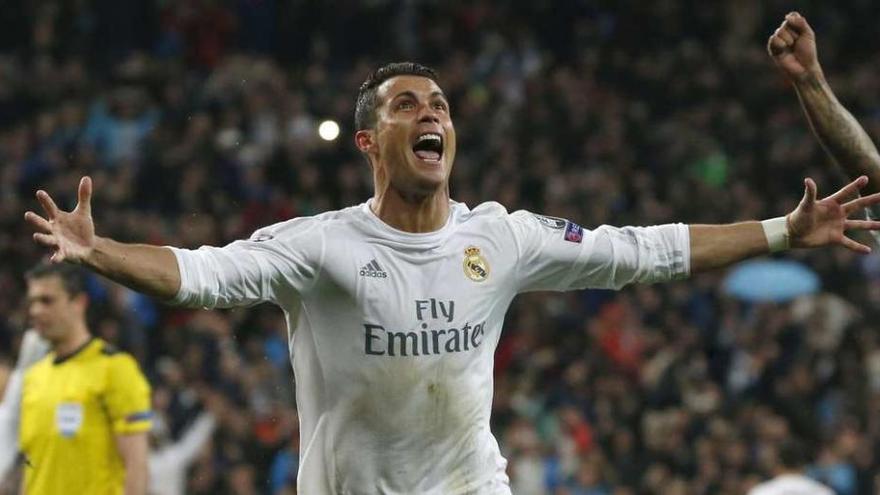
[{"x": 423, "y": 137}]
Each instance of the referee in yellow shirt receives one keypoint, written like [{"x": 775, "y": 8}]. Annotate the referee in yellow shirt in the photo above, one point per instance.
[{"x": 85, "y": 409}]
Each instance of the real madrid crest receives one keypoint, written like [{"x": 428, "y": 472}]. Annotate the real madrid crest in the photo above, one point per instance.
[{"x": 475, "y": 265}]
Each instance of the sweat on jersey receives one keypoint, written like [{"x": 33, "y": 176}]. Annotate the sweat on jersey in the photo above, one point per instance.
[{"x": 392, "y": 334}]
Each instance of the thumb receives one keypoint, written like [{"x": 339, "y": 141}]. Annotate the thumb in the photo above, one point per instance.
[
  {"x": 84, "y": 195},
  {"x": 809, "y": 193}
]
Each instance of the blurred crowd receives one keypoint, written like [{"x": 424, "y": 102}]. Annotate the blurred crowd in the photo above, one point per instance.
[{"x": 197, "y": 121}]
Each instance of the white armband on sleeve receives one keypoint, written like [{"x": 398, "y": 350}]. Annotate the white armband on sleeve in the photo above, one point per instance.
[{"x": 776, "y": 232}]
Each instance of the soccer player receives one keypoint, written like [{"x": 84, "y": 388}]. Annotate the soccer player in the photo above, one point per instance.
[
  {"x": 395, "y": 306},
  {"x": 793, "y": 47},
  {"x": 85, "y": 407},
  {"x": 788, "y": 477}
]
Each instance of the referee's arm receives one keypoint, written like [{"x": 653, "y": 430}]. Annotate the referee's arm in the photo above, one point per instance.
[{"x": 134, "y": 449}]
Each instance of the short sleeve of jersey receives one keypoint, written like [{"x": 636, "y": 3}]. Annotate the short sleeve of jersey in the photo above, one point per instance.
[
  {"x": 557, "y": 254},
  {"x": 276, "y": 262},
  {"x": 127, "y": 396}
]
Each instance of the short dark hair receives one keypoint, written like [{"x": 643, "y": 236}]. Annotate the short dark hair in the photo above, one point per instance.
[
  {"x": 365, "y": 109},
  {"x": 793, "y": 454},
  {"x": 73, "y": 278}
]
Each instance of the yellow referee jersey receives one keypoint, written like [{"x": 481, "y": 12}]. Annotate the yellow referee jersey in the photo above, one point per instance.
[{"x": 71, "y": 409}]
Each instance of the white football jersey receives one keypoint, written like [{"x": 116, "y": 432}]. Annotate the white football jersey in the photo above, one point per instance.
[
  {"x": 392, "y": 334},
  {"x": 791, "y": 484}
]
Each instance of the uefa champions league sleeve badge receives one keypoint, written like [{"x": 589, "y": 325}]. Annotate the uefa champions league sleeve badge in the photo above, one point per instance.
[{"x": 475, "y": 265}]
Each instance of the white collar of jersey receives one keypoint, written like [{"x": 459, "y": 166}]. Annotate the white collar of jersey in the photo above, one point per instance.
[{"x": 411, "y": 238}]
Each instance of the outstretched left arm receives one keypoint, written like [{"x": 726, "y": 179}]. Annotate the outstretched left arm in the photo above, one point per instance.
[{"x": 814, "y": 223}]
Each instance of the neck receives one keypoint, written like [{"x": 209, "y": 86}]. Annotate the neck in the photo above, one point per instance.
[
  {"x": 412, "y": 213},
  {"x": 77, "y": 337}
]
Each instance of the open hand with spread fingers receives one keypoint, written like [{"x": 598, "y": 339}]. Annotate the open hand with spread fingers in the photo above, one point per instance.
[
  {"x": 70, "y": 235},
  {"x": 816, "y": 223}
]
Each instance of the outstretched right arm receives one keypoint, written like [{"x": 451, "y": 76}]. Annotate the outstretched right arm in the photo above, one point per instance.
[
  {"x": 152, "y": 270},
  {"x": 71, "y": 235},
  {"x": 276, "y": 264}
]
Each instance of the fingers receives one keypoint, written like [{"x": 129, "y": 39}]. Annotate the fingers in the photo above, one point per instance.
[
  {"x": 48, "y": 204},
  {"x": 47, "y": 240},
  {"x": 38, "y": 222},
  {"x": 84, "y": 195},
  {"x": 792, "y": 28},
  {"x": 850, "y": 190},
  {"x": 786, "y": 35},
  {"x": 854, "y": 246},
  {"x": 776, "y": 46},
  {"x": 861, "y": 225},
  {"x": 797, "y": 23},
  {"x": 861, "y": 203}
]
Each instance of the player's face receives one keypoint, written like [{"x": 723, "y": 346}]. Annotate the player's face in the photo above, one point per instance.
[
  {"x": 414, "y": 134},
  {"x": 51, "y": 309}
]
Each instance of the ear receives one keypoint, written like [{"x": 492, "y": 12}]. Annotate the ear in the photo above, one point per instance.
[
  {"x": 363, "y": 139},
  {"x": 82, "y": 300}
]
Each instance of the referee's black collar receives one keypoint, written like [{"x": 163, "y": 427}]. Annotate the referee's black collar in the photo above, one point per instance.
[{"x": 60, "y": 359}]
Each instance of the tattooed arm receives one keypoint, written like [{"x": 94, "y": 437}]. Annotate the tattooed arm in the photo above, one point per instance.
[
  {"x": 793, "y": 48},
  {"x": 840, "y": 134}
]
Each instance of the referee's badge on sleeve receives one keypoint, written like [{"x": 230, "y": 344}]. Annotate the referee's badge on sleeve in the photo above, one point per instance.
[{"x": 69, "y": 418}]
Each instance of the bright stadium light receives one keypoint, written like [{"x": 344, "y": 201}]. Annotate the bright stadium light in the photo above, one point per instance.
[{"x": 328, "y": 130}]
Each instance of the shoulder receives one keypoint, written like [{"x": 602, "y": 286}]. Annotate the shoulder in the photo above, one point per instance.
[
  {"x": 38, "y": 367},
  {"x": 116, "y": 359},
  {"x": 526, "y": 223},
  {"x": 790, "y": 483},
  {"x": 761, "y": 489},
  {"x": 306, "y": 226},
  {"x": 491, "y": 210},
  {"x": 488, "y": 215},
  {"x": 108, "y": 349},
  {"x": 520, "y": 224},
  {"x": 488, "y": 209}
]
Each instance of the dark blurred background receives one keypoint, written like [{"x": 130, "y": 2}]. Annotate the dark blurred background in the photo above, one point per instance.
[{"x": 198, "y": 121}]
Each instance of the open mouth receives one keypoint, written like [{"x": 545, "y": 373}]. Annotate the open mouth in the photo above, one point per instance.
[{"x": 429, "y": 147}]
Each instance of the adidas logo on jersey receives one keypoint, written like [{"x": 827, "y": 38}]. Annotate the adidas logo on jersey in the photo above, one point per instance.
[{"x": 372, "y": 269}]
